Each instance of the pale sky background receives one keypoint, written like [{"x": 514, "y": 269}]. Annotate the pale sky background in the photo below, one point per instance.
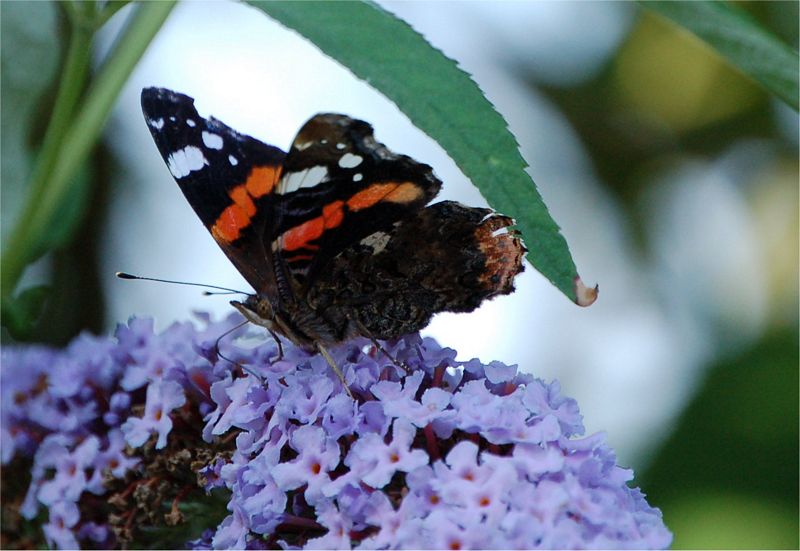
[{"x": 631, "y": 360}]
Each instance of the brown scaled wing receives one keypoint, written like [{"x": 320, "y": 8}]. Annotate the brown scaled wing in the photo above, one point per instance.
[{"x": 445, "y": 258}]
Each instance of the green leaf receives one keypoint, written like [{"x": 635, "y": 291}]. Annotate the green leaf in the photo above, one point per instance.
[
  {"x": 200, "y": 512},
  {"x": 741, "y": 40},
  {"x": 21, "y": 313},
  {"x": 445, "y": 103}
]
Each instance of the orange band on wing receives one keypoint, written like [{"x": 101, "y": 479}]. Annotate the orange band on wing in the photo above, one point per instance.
[
  {"x": 404, "y": 193},
  {"x": 393, "y": 192},
  {"x": 302, "y": 235},
  {"x": 369, "y": 196},
  {"x": 230, "y": 223},
  {"x": 333, "y": 214},
  {"x": 242, "y": 198},
  {"x": 299, "y": 257},
  {"x": 237, "y": 216},
  {"x": 262, "y": 179}
]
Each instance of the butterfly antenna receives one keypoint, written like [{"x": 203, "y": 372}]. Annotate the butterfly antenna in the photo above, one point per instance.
[
  {"x": 227, "y": 290},
  {"x": 237, "y": 364}
]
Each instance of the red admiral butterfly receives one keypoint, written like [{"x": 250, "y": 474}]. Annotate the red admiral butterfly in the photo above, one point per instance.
[{"x": 335, "y": 235}]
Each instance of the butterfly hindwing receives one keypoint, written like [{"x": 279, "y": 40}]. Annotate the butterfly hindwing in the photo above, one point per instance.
[
  {"x": 338, "y": 186},
  {"x": 228, "y": 178},
  {"x": 444, "y": 257}
]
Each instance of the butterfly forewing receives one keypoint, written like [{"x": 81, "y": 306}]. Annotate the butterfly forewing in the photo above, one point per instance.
[
  {"x": 339, "y": 186},
  {"x": 228, "y": 178}
]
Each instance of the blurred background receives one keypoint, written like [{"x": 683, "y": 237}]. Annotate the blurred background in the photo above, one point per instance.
[{"x": 673, "y": 177}]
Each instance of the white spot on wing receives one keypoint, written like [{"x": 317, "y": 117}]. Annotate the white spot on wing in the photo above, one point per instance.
[
  {"x": 340, "y": 146},
  {"x": 190, "y": 122},
  {"x": 158, "y": 124},
  {"x": 500, "y": 231},
  {"x": 212, "y": 141},
  {"x": 184, "y": 161},
  {"x": 233, "y": 160},
  {"x": 358, "y": 177},
  {"x": 376, "y": 241},
  {"x": 300, "y": 146},
  {"x": 348, "y": 160},
  {"x": 309, "y": 177}
]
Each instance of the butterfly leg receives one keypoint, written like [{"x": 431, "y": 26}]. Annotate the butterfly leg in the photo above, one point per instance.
[
  {"x": 280, "y": 345},
  {"x": 325, "y": 354},
  {"x": 395, "y": 361}
]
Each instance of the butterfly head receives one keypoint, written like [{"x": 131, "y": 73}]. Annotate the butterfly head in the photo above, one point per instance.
[{"x": 257, "y": 310}]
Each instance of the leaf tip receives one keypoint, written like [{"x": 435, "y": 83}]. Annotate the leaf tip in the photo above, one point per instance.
[{"x": 584, "y": 296}]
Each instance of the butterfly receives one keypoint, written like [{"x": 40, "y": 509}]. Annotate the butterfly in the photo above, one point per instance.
[{"x": 336, "y": 236}]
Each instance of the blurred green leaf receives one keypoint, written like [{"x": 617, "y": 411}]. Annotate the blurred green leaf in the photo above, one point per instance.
[
  {"x": 731, "y": 520},
  {"x": 72, "y": 211},
  {"x": 445, "y": 103},
  {"x": 741, "y": 40},
  {"x": 63, "y": 157},
  {"x": 21, "y": 313},
  {"x": 29, "y": 53},
  {"x": 737, "y": 436},
  {"x": 199, "y": 512}
]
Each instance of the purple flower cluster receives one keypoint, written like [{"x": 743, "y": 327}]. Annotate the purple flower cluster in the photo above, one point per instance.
[{"x": 449, "y": 454}]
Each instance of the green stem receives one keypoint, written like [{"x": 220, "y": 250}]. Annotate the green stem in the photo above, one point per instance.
[
  {"x": 109, "y": 10},
  {"x": 47, "y": 195}
]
